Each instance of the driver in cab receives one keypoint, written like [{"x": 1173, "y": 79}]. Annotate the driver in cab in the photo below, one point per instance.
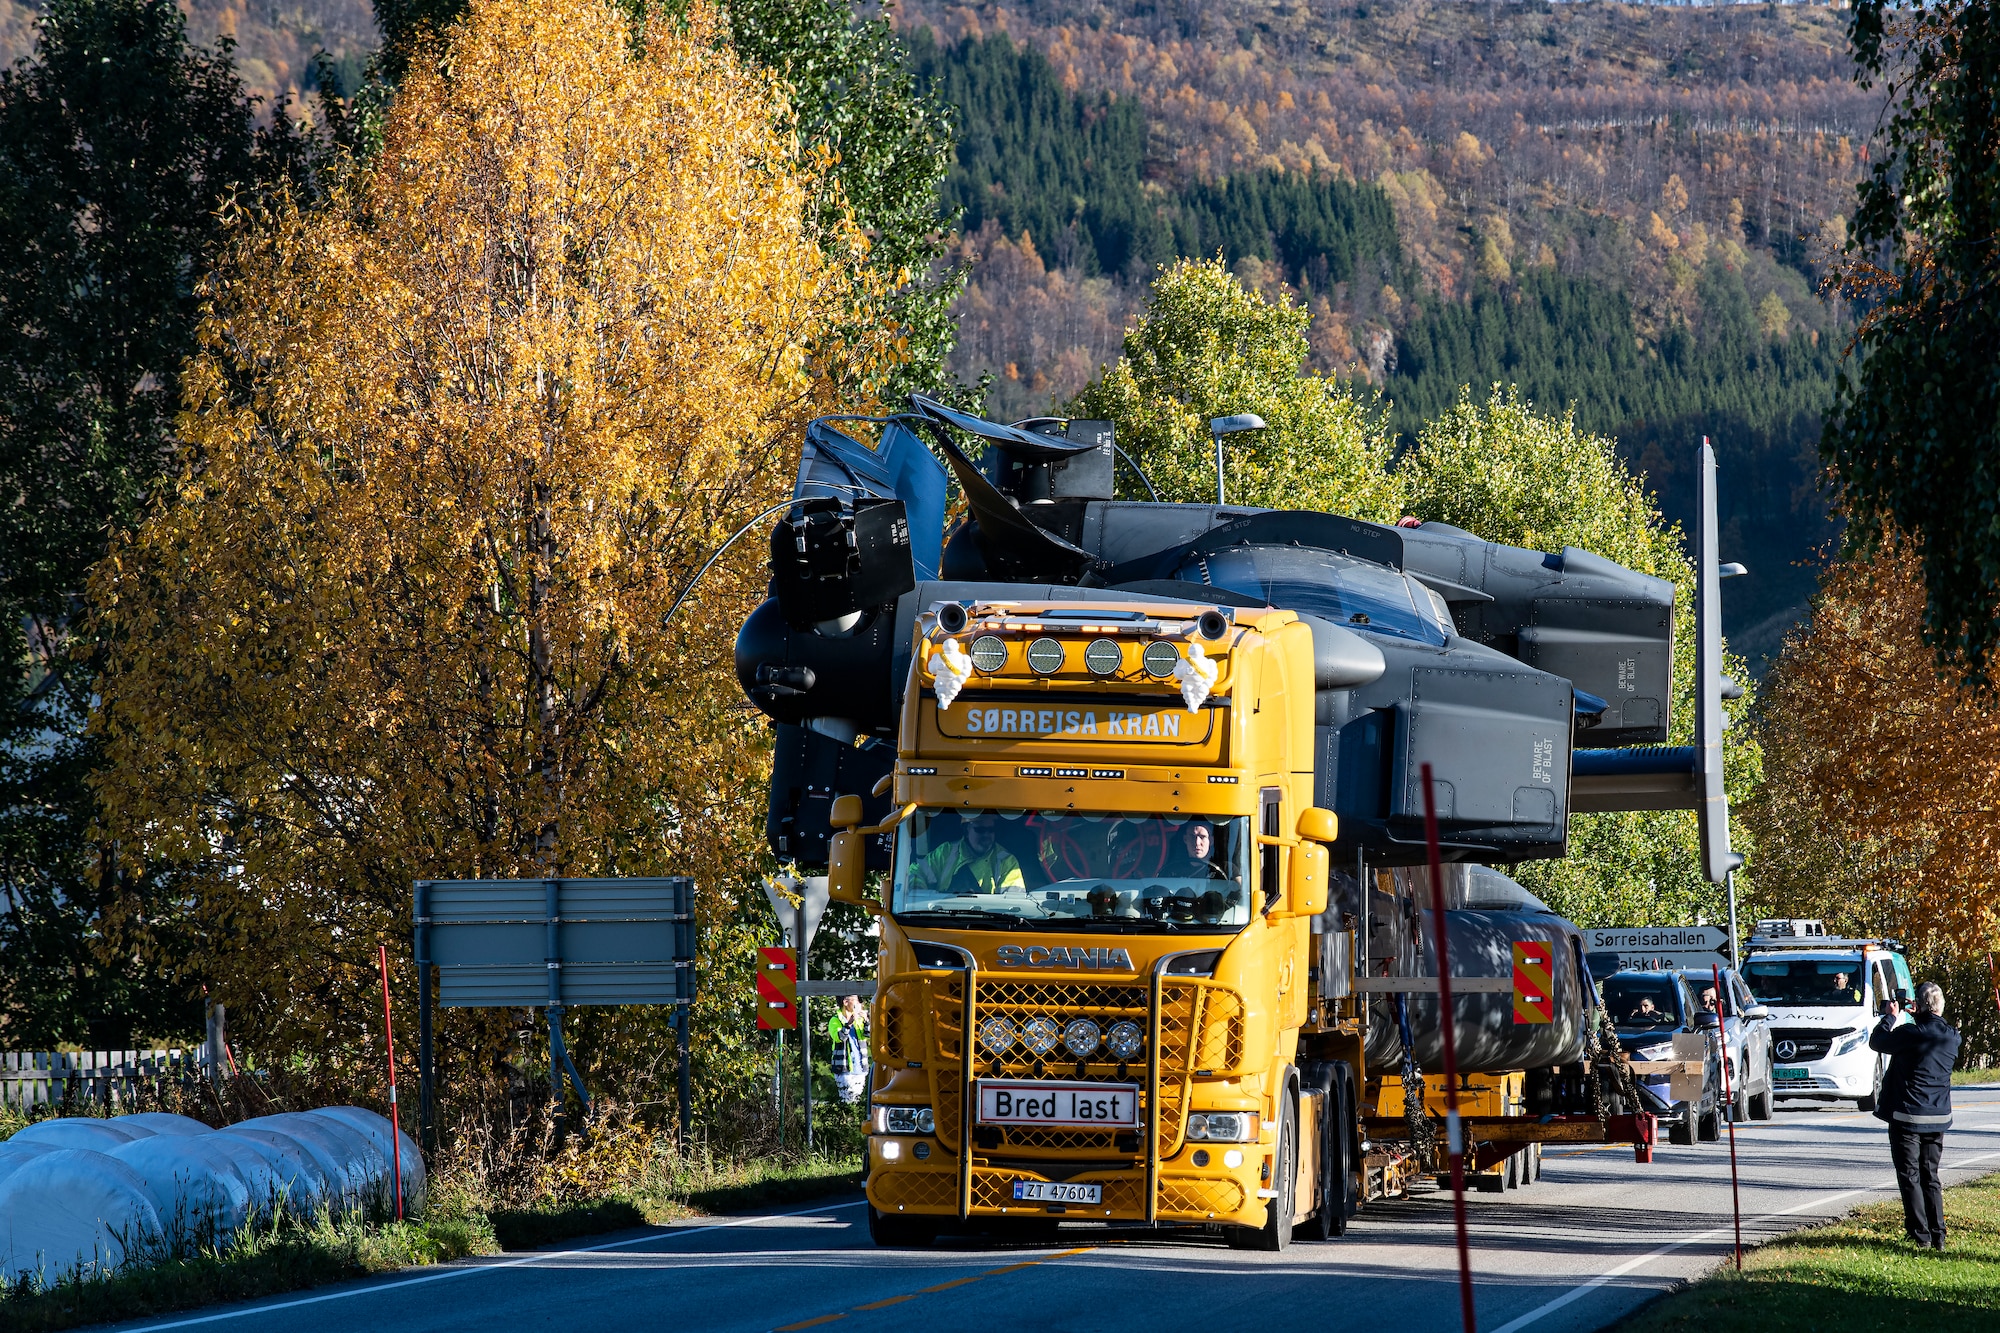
[
  {"x": 1199, "y": 858},
  {"x": 975, "y": 864},
  {"x": 1645, "y": 1012},
  {"x": 1844, "y": 990}
]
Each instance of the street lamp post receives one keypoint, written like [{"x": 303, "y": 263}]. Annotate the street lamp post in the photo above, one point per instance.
[{"x": 1222, "y": 426}]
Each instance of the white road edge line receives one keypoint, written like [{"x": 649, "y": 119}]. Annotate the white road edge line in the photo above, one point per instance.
[
  {"x": 1583, "y": 1289},
  {"x": 470, "y": 1269}
]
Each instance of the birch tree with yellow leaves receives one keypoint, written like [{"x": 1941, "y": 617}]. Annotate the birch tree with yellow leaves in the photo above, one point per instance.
[{"x": 455, "y": 443}]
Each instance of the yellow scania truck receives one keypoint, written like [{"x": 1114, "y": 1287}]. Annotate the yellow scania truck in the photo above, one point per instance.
[{"x": 1131, "y": 790}]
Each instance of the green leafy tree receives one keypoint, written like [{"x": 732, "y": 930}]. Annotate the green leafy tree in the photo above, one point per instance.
[
  {"x": 1508, "y": 473},
  {"x": 1913, "y": 441},
  {"x": 121, "y": 150},
  {"x": 1208, "y": 347},
  {"x": 884, "y": 141}
]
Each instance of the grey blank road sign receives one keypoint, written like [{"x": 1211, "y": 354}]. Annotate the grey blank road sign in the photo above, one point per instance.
[{"x": 616, "y": 941}]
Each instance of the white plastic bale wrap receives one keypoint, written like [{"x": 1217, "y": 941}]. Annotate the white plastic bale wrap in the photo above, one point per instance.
[
  {"x": 81, "y": 1132},
  {"x": 201, "y": 1194},
  {"x": 347, "y": 1158},
  {"x": 379, "y": 1133},
  {"x": 162, "y": 1122},
  {"x": 14, "y": 1155},
  {"x": 72, "y": 1210},
  {"x": 292, "y": 1179},
  {"x": 87, "y": 1194}
]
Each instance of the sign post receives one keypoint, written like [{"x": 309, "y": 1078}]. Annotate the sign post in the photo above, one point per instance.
[{"x": 554, "y": 943}]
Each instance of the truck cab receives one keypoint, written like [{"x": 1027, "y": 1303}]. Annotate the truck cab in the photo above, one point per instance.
[
  {"x": 1824, "y": 993},
  {"x": 1099, "y": 868}
]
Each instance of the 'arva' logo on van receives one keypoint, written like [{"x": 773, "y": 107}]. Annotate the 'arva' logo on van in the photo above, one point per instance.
[{"x": 1075, "y": 958}]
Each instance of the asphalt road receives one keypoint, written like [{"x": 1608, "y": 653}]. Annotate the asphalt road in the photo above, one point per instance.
[{"x": 1598, "y": 1236}]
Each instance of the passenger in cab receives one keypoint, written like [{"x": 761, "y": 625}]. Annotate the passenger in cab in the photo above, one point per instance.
[{"x": 975, "y": 864}]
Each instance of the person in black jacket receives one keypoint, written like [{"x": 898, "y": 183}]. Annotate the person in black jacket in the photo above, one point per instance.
[{"x": 1916, "y": 1101}]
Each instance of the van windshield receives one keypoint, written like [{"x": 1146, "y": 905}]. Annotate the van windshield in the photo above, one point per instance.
[
  {"x": 1812, "y": 983},
  {"x": 1001, "y": 869}
]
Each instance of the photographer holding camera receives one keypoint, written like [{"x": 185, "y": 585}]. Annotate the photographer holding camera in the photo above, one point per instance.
[{"x": 1916, "y": 1103}]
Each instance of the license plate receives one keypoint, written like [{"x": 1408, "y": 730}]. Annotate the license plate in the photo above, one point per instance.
[
  {"x": 1791, "y": 1073},
  {"x": 1065, "y": 1105},
  {"x": 1047, "y": 1191}
]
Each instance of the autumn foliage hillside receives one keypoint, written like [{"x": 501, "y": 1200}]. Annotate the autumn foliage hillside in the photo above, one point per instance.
[{"x": 1623, "y": 207}]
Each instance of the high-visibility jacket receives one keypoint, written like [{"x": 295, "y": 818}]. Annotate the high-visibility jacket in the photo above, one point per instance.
[
  {"x": 995, "y": 872},
  {"x": 850, "y": 1045}
]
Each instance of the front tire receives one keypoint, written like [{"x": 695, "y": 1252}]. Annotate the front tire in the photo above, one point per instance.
[
  {"x": 900, "y": 1231},
  {"x": 1276, "y": 1233},
  {"x": 1709, "y": 1128}
]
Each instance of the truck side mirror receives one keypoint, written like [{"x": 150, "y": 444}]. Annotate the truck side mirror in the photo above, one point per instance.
[
  {"x": 847, "y": 856},
  {"x": 1305, "y": 888},
  {"x": 1318, "y": 824}
]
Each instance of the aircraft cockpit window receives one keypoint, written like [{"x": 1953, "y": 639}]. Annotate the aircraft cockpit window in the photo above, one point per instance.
[{"x": 1355, "y": 593}]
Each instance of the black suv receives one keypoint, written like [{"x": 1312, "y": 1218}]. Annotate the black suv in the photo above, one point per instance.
[{"x": 1649, "y": 1009}]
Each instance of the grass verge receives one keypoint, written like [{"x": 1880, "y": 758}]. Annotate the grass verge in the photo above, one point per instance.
[
  {"x": 1855, "y": 1275},
  {"x": 289, "y": 1257},
  {"x": 260, "y": 1263},
  {"x": 1961, "y": 1077}
]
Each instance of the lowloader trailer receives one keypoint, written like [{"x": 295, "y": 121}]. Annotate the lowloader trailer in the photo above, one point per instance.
[{"x": 1132, "y": 789}]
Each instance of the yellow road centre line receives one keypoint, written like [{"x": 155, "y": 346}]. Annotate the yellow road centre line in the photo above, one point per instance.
[{"x": 925, "y": 1291}]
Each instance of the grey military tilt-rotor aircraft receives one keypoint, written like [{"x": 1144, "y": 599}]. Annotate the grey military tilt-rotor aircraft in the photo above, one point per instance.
[{"x": 1536, "y": 684}]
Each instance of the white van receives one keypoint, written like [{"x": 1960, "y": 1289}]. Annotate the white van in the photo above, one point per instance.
[{"x": 1825, "y": 993}]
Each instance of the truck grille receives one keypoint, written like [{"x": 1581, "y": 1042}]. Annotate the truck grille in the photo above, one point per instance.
[{"x": 1200, "y": 1033}]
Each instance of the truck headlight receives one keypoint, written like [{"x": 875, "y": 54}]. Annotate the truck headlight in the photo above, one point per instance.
[
  {"x": 998, "y": 1034},
  {"x": 1222, "y": 1126},
  {"x": 1082, "y": 1037},
  {"x": 904, "y": 1120},
  {"x": 1040, "y": 1034},
  {"x": 1125, "y": 1039}
]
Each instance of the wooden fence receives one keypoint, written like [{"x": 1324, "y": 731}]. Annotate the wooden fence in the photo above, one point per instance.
[{"x": 35, "y": 1078}]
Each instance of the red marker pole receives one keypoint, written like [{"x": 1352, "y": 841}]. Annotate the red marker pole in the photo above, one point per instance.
[
  {"x": 395, "y": 1124},
  {"x": 1454, "y": 1131},
  {"x": 1722, "y": 1029}
]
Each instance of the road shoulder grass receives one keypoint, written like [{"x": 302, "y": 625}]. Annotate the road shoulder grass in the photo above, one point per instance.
[
  {"x": 290, "y": 1257},
  {"x": 1856, "y": 1275}
]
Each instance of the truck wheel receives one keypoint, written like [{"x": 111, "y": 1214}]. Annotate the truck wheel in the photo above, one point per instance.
[
  {"x": 1535, "y": 1161},
  {"x": 1276, "y": 1233},
  {"x": 899, "y": 1231},
  {"x": 1336, "y": 1157}
]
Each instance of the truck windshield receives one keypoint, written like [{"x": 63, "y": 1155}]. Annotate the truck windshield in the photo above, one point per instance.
[
  {"x": 1812, "y": 983},
  {"x": 1001, "y": 869},
  {"x": 1639, "y": 1002}
]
